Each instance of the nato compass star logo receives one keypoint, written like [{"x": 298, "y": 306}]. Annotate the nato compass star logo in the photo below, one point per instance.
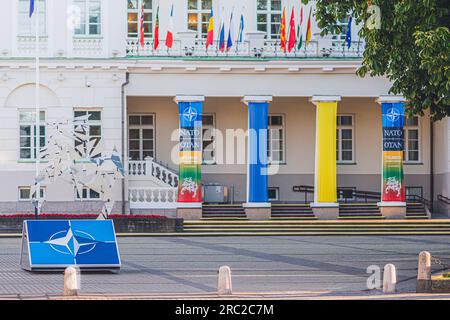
[
  {"x": 393, "y": 115},
  {"x": 190, "y": 114},
  {"x": 72, "y": 243}
]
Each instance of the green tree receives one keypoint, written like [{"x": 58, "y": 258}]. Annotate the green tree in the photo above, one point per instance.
[{"x": 411, "y": 47}]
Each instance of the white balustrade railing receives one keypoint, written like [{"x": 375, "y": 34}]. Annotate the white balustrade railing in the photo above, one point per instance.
[
  {"x": 137, "y": 168},
  {"x": 153, "y": 198},
  {"x": 26, "y": 46},
  {"x": 149, "y": 167},
  {"x": 87, "y": 46},
  {"x": 134, "y": 48},
  {"x": 271, "y": 49},
  {"x": 340, "y": 49},
  {"x": 239, "y": 49}
]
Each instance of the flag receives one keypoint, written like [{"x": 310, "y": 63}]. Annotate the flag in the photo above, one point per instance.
[
  {"x": 156, "y": 34},
  {"x": 230, "y": 38},
  {"x": 169, "y": 37},
  {"x": 300, "y": 31},
  {"x": 348, "y": 35},
  {"x": 241, "y": 29},
  {"x": 292, "y": 35},
  {"x": 142, "y": 31},
  {"x": 210, "y": 36},
  {"x": 222, "y": 38},
  {"x": 31, "y": 8},
  {"x": 308, "y": 29},
  {"x": 283, "y": 31}
]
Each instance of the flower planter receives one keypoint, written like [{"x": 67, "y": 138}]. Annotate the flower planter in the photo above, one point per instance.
[
  {"x": 440, "y": 284},
  {"x": 122, "y": 223}
]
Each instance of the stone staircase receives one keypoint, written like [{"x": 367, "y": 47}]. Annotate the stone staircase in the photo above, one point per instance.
[
  {"x": 292, "y": 211},
  {"x": 358, "y": 211},
  {"x": 152, "y": 185},
  {"x": 242, "y": 227},
  {"x": 229, "y": 211},
  {"x": 416, "y": 211}
]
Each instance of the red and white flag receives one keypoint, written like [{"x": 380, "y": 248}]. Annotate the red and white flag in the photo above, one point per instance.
[
  {"x": 292, "y": 35},
  {"x": 169, "y": 37},
  {"x": 141, "y": 31}
]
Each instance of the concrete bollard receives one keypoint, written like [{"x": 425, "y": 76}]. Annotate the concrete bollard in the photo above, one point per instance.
[
  {"x": 224, "y": 281},
  {"x": 389, "y": 278},
  {"x": 71, "y": 283},
  {"x": 424, "y": 273}
]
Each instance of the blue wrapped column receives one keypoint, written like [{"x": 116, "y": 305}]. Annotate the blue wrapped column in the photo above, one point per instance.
[{"x": 257, "y": 161}]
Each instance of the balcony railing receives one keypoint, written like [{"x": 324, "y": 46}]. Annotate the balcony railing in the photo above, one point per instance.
[
  {"x": 26, "y": 46},
  {"x": 87, "y": 46},
  {"x": 270, "y": 49}
]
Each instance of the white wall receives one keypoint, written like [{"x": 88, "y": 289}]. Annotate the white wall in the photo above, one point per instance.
[
  {"x": 58, "y": 99},
  {"x": 114, "y": 23}
]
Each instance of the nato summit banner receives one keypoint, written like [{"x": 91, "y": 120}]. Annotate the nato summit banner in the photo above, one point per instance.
[
  {"x": 57, "y": 244},
  {"x": 190, "y": 153},
  {"x": 393, "y": 145}
]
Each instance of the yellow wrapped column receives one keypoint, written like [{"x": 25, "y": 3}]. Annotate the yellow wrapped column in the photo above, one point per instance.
[{"x": 325, "y": 204}]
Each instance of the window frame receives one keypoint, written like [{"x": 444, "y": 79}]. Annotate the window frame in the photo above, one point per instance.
[
  {"x": 87, "y": 24},
  {"x": 141, "y": 140},
  {"x": 88, "y": 194},
  {"x": 32, "y": 137},
  {"x": 277, "y": 192},
  {"x": 31, "y": 21},
  {"x": 340, "y": 37},
  {"x": 43, "y": 193},
  {"x": 213, "y": 161},
  {"x": 269, "y": 139},
  {"x": 339, "y": 128},
  {"x": 406, "y": 150},
  {"x": 98, "y": 122},
  {"x": 199, "y": 12},
  {"x": 269, "y": 13},
  {"x": 149, "y": 34}
]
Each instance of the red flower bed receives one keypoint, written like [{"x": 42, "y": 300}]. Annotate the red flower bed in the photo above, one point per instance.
[{"x": 81, "y": 216}]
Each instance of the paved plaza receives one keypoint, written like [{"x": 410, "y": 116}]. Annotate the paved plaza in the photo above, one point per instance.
[{"x": 188, "y": 265}]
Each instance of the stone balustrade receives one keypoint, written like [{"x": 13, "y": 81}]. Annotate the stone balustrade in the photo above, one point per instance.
[{"x": 153, "y": 198}]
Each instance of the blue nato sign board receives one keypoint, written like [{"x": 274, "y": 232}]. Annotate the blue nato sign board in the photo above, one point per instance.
[{"x": 56, "y": 244}]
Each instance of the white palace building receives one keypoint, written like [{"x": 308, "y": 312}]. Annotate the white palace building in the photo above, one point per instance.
[{"x": 92, "y": 62}]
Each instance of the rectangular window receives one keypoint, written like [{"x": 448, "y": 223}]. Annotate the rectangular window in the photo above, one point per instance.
[
  {"x": 199, "y": 12},
  {"x": 141, "y": 136},
  {"x": 268, "y": 17},
  {"x": 27, "y": 134},
  {"x": 27, "y": 25},
  {"x": 340, "y": 37},
  {"x": 25, "y": 194},
  {"x": 411, "y": 152},
  {"x": 276, "y": 139},
  {"x": 134, "y": 18},
  {"x": 345, "y": 139},
  {"x": 87, "y": 194},
  {"x": 414, "y": 191},
  {"x": 208, "y": 139},
  {"x": 274, "y": 194},
  {"x": 93, "y": 132},
  {"x": 346, "y": 193},
  {"x": 90, "y": 17}
]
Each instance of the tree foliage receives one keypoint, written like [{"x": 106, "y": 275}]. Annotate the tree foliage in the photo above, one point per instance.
[{"x": 411, "y": 48}]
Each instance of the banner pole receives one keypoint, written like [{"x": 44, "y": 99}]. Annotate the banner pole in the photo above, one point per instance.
[{"x": 37, "y": 127}]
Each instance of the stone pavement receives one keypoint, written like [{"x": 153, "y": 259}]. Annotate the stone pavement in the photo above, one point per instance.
[{"x": 179, "y": 268}]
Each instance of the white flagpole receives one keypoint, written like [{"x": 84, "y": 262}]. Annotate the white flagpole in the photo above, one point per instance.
[{"x": 37, "y": 130}]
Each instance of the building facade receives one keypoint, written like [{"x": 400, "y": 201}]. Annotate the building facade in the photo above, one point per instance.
[{"x": 92, "y": 62}]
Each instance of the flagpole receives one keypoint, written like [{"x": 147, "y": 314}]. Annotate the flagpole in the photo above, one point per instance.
[{"x": 37, "y": 129}]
